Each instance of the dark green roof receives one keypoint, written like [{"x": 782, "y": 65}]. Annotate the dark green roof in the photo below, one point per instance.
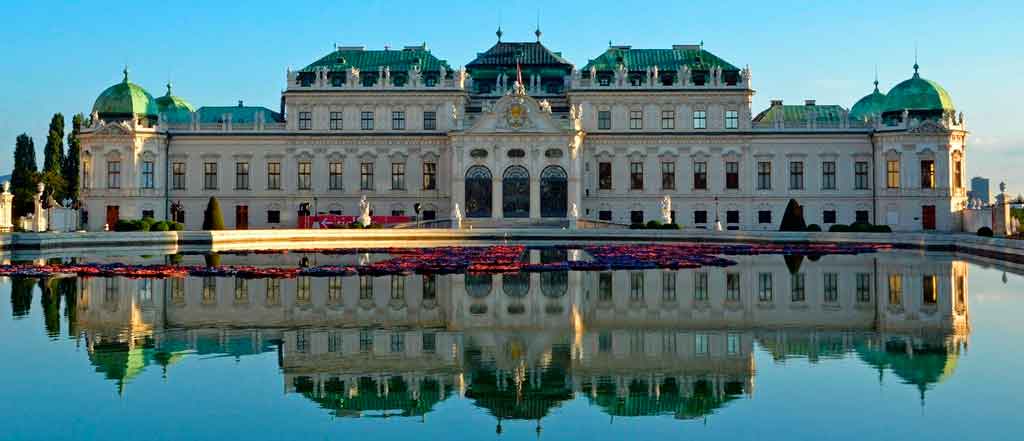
[
  {"x": 239, "y": 114},
  {"x": 174, "y": 109},
  {"x": 506, "y": 55},
  {"x": 125, "y": 100},
  {"x": 666, "y": 59},
  {"x": 872, "y": 104},
  {"x": 797, "y": 114},
  {"x": 918, "y": 94},
  {"x": 369, "y": 61}
]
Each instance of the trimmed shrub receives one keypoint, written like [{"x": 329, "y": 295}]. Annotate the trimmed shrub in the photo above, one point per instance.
[
  {"x": 654, "y": 224},
  {"x": 860, "y": 227},
  {"x": 177, "y": 226},
  {"x": 212, "y": 218},
  {"x": 670, "y": 226},
  {"x": 839, "y": 228},
  {"x": 636, "y": 226},
  {"x": 126, "y": 225},
  {"x": 985, "y": 232},
  {"x": 813, "y": 228},
  {"x": 160, "y": 226},
  {"x": 881, "y": 229},
  {"x": 793, "y": 218}
]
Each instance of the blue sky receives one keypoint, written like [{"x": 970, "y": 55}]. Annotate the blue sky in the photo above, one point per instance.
[{"x": 58, "y": 58}]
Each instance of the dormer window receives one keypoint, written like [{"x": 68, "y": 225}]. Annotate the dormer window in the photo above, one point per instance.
[{"x": 604, "y": 80}]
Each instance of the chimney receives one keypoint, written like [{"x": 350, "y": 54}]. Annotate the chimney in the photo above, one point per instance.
[
  {"x": 776, "y": 103},
  {"x": 808, "y": 102}
]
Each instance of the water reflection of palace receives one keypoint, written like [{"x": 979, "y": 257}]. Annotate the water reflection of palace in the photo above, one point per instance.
[{"x": 631, "y": 342}]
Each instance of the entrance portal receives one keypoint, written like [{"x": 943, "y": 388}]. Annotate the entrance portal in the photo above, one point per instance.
[
  {"x": 478, "y": 191},
  {"x": 515, "y": 192},
  {"x": 554, "y": 192}
]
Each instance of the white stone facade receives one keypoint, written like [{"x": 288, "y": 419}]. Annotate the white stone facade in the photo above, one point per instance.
[{"x": 415, "y": 144}]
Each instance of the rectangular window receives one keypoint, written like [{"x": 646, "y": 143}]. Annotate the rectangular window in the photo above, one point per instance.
[
  {"x": 862, "y": 216},
  {"x": 397, "y": 287},
  {"x": 604, "y": 287},
  {"x": 397, "y": 176},
  {"x": 958, "y": 174},
  {"x": 700, "y": 287},
  {"x": 273, "y": 176},
  {"x": 210, "y": 176},
  {"x": 273, "y": 292},
  {"x": 892, "y": 169},
  {"x": 636, "y": 217},
  {"x": 863, "y": 287},
  {"x": 334, "y": 290},
  {"x": 365, "y": 288},
  {"x": 273, "y": 216},
  {"x": 764, "y": 217},
  {"x": 604, "y": 120},
  {"x": 796, "y": 175},
  {"x": 604, "y": 215},
  {"x": 668, "y": 286},
  {"x": 604, "y": 176},
  {"x": 700, "y": 119},
  {"x": 430, "y": 120},
  {"x": 764, "y": 175},
  {"x": 764, "y": 287},
  {"x": 828, "y": 217},
  {"x": 365, "y": 340},
  {"x": 732, "y": 175},
  {"x": 895, "y": 289},
  {"x": 701, "y": 344},
  {"x": 113, "y": 174},
  {"x": 398, "y": 120},
  {"x": 305, "y": 120},
  {"x": 366, "y": 176},
  {"x": 798, "y": 292},
  {"x": 636, "y": 285},
  {"x": 668, "y": 119},
  {"x": 429, "y": 287},
  {"x": 241, "y": 176},
  {"x": 334, "y": 341},
  {"x": 366, "y": 120},
  {"x": 732, "y": 217},
  {"x": 336, "y": 175},
  {"x": 147, "y": 174},
  {"x": 860, "y": 178},
  {"x": 700, "y": 176},
  {"x": 178, "y": 176},
  {"x": 831, "y": 287},
  {"x": 732, "y": 119},
  {"x": 429, "y": 176},
  {"x": 636, "y": 176},
  {"x": 429, "y": 342},
  {"x": 732, "y": 344},
  {"x": 305, "y": 175},
  {"x": 929, "y": 290},
  {"x": 337, "y": 121},
  {"x": 928, "y": 174},
  {"x": 732, "y": 287},
  {"x": 828, "y": 175},
  {"x": 302, "y": 342},
  {"x": 668, "y": 176},
  {"x": 303, "y": 291},
  {"x": 636, "y": 119},
  {"x": 700, "y": 217}
]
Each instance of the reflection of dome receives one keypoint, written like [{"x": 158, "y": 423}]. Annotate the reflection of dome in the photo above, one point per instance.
[
  {"x": 399, "y": 396},
  {"x": 125, "y": 100},
  {"x": 923, "y": 364},
  {"x": 521, "y": 393},
  {"x": 174, "y": 109},
  {"x": 871, "y": 106},
  {"x": 918, "y": 95},
  {"x": 701, "y": 401}
]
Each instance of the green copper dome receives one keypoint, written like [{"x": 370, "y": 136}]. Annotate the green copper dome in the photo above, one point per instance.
[
  {"x": 174, "y": 109},
  {"x": 870, "y": 106},
  {"x": 125, "y": 100},
  {"x": 918, "y": 94}
]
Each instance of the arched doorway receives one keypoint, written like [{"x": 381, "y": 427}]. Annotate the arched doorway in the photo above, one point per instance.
[
  {"x": 515, "y": 192},
  {"x": 478, "y": 192},
  {"x": 554, "y": 192}
]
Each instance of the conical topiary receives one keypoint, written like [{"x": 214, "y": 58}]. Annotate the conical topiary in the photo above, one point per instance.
[
  {"x": 212, "y": 218},
  {"x": 793, "y": 219}
]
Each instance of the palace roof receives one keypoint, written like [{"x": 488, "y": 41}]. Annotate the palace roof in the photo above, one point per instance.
[
  {"x": 918, "y": 94},
  {"x": 507, "y": 54},
  {"x": 797, "y": 114},
  {"x": 125, "y": 100},
  {"x": 693, "y": 56},
  {"x": 402, "y": 60},
  {"x": 240, "y": 114}
]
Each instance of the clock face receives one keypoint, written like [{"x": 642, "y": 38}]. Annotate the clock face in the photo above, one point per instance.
[{"x": 516, "y": 115}]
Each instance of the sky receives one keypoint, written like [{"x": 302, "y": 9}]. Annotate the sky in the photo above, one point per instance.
[{"x": 58, "y": 56}]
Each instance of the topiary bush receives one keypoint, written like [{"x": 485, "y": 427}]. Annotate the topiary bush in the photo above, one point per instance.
[
  {"x": 670, "y": 226},
  {"x": 653, "y": 224},
  {"x": 177, "y": 226},
  {"x": 160, "y": 226},
  {"x": 126, "y": 225},
  {"x": 860, "y": 227},
  {"x": 813, "y": 228},
  {"x": 839, "y": 228},
  {"x": 636, "y": 226},
  {"x": 212, "y": 218},
  {"x": 985, "y": 232},
  {"x": 881, "y": 229},
  {"x": 793, "y": 218}
]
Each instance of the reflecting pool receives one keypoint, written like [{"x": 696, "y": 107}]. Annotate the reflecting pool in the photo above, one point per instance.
[{"x": 886, "y": 345}]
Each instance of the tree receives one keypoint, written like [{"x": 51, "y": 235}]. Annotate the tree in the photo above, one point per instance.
[
  {"x": 793, "y": 218},
  {"x": 71, "y": 169},
  {"x": 25, "y": 175},
  {"x": 212, "y": 218},
  {"x": 53, "y": 153}
]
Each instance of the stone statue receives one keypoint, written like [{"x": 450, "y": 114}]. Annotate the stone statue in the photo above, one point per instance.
[
  {"x": 442, "y": 73},
  {"x": 353, "y": 76},
  {"x": 666, "y": 209},
  {"x": 654, "y": 76},
  {"x": 545, "y": 106},
  {"x": 364, "y": 212},
  {"x": 684, "y": 76},
  {"x": 455, "y": 116},
  {"x": 457, "y": 217},
  {"x": 39, "y": 222},
  {"x": 593, "y": 76},
  {"x": 415, "y": 75},
  {"x": 1002, "y": 187},
  {"x": 6, "y": 204},
  {"x": 574, "y": 216}
]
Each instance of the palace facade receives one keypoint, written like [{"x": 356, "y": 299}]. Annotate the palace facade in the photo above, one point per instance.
[{"x": 520, "y": 136}]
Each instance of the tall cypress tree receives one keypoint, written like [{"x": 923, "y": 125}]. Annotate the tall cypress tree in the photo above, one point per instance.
[
  {"x": 24, "y": 176},
  {"x": 53, "y": 154},
  {"x": 71, "y": 169}
]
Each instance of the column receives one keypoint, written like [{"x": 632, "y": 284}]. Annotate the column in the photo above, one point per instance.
[{"x": 496, "y": 195}]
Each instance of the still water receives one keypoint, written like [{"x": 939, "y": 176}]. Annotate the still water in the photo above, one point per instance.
[{"x": 891, "y": 345}]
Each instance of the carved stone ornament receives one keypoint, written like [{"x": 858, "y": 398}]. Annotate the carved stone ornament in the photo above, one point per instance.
[{"x": 516, "y": 114}]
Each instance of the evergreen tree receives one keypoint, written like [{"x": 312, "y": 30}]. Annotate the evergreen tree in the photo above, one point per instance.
[
  {"x": 71, "y": 168},
  {"x": 53, "y": 154},
  {"x": 24, "y": 176},
  {"x": 212, "y": 218},
  {"x": 793, "y": 218}
]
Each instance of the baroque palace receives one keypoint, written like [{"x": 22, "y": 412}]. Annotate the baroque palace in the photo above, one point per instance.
[{"x": 521, "y": 136}]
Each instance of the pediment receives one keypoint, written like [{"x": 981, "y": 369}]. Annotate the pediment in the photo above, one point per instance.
[
  {"x": 517, "y": 113},
  {"x": 113, "y": 129}
]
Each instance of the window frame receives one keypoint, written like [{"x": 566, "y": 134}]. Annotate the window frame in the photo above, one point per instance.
[
  {"x": 304, "y": 175},
  {"x": 429, "y": 176},
  {"x": 178, "y": 180},
  {"x": 114, "y": 175},
  {"x": 336, "y": 175},
  {"x": 366, "y": 176},
  {"x": 366, "y": 120},
  {"x": 732, "y": 178},
  {"x": 429, "y": 120},
  {"x": 636, "y": 175},
  {"x": 148, "y": 175},
  {"x": 241, "y": 175},
  {"x": 700, "y": 119},
  {"x": 273, "y": 175},
  {"x": 604, "y": 175},
  {"x": 305, "y": 120},
  {"x": 796, "y": 175},
  {"x": 700, "y": 175},
  {"x": 928, "y": 174},
  {"x": 636, "y": 119},
  {"x": 861, "y": 180},
  {"x": 337, "y": 121},
  {"x": 210, "y": 178},
  {"x": 764, "y": 175},
  {"x": 397, "y": 120},
  {"x": 828, "y": 175},
  {"x": 732, "y": 119},
  {"x": 668, "y": 175},
  {"x": 892, "y": 174},
  {"x": 668, "y": 119},
  {"x": 397, "y": 176}
]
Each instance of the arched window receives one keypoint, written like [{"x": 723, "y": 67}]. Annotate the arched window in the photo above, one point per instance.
[
  {"x": 478, "y": 191},
  {"x": 478, "y": 286},
  {"x": 554, "y": 192},
  {"x": 515, "y": 193}
]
